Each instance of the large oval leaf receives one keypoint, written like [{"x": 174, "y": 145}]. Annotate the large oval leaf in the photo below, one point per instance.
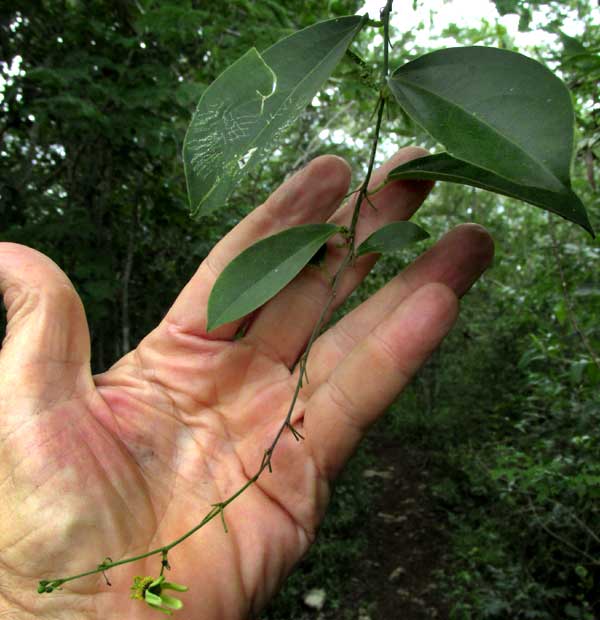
[
  {"x": 500, "y": 113},
  {"x": 243, "y": 112},
  {"x": 391, "y": 238},
  {"x": 262, "y": 270}
]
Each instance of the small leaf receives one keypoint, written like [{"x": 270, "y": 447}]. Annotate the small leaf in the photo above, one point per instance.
[
  {"x": 506, "y": 6},
  {"x": 500, "y": 113},
  {"x": 571, "y": 45},
  {"x": 572, "y": 611},
  {"x": 525, "y": 20},
  {"x": 245, "y": 110},
  {"x": 444, "y": 167},
  {"x": 261, "y": 271},
  {"x": 391, "y": 238}
]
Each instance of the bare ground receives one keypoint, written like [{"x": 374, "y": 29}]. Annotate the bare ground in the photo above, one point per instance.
[{"x": 407, "y": 543}]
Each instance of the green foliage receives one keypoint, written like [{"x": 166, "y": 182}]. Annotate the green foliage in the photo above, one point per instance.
[
  {"x": 262, "y": 270},
  {"x": 506, "y": 6},
  {"x": 526, "y": 525},
  {"x": 491, "y": 109},
  {"x": 241, "y": 115},
  {"x": 509, "y": 404},
  {"x": 509, "y": 409}
]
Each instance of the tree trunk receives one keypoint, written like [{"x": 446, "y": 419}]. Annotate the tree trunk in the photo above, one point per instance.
[{"x": 125, "y": 318}]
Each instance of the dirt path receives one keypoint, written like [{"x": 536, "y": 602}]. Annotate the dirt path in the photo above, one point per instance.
[{"x": 396, "y": 578}]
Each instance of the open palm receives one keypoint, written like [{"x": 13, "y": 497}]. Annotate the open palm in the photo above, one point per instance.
[{"x": 129, "y": 460}]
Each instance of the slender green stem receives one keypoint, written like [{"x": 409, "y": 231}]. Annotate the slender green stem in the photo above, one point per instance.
[
  {"x": 219, "y": 508},
  {"x": 385, "y": 17},
  {"x": 364, "y": 189}
]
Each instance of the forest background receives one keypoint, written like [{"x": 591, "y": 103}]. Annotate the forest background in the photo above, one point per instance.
[{"x": 493, "y": 454}]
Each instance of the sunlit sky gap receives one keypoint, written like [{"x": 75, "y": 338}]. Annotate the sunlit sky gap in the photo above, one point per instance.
[{"x": 464, "y": 13}]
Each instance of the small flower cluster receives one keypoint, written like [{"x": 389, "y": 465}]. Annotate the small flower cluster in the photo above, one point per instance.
[
  {"x": 49, "y": 586},
  {"x": 151, "y": 591}
]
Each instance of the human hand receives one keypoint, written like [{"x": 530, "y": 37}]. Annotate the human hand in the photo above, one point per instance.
[{"x": 129, "y": 460}]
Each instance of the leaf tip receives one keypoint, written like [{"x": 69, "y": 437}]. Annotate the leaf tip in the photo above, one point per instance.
[{"x": 212, "y": 322}]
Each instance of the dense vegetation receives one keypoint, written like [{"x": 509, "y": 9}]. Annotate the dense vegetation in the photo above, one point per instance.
[{"x": 96, "y": 99}]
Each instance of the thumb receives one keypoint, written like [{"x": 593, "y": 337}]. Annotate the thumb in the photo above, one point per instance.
[{"x": 45, "y": 355}]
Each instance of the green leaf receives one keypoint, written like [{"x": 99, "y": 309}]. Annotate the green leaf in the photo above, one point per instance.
[
  {"x": 572, "y": 611},
  {"x": 500, "y": 113},
  {"x": 506, "y": 6},
  {"x": 391, "y": 238},
  {"x": 525, "y": 20},
  {"x": 244, "y": 111},
  {"x": 444, "y": 167},
  {"x": 261, "y": 271},
  {"x": 571, "y": 45}
]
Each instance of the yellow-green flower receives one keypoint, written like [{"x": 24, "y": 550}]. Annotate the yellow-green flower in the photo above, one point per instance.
[{"x": 151, "y": 591}]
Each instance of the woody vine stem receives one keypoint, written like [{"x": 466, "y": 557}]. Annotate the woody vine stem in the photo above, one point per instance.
[{"x": 350, "y": 237}]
